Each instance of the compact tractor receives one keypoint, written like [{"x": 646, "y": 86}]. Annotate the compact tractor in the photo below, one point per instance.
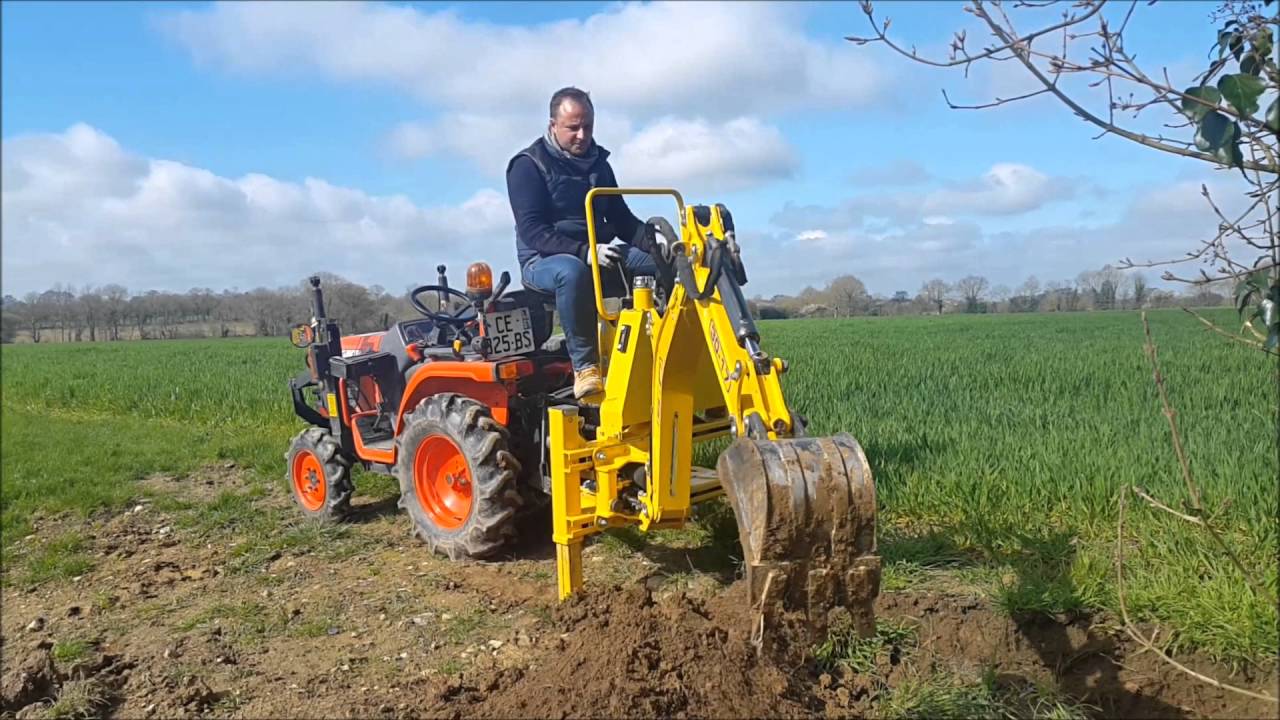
[{"x": 471, "y": 408}]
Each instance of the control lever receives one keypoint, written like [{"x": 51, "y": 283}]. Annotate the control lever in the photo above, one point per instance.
[{"x": 503, "y": 281}]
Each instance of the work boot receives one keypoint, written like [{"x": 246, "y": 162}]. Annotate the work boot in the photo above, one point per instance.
[{"x": 587, "y": 381}]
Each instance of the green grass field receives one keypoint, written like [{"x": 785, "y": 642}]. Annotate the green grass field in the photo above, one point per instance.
[{"x": 1000, "y": 445}]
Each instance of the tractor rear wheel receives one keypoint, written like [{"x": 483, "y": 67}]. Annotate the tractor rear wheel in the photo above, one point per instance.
[
  {"x": 319, "y": 475},
  {"x": 457, "y": 477}
]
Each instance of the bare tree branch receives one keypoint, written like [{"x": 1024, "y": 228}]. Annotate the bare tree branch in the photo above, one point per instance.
[
  {"x": 1115, "y": 62},
  {"x": 998, "y": 101},
  {"x": 1147, "y": 643},
  {"x": 1007, "y": 37},
  {"x": 1243, "y": 341},
  {"x": 1161, "y": 506},
  {"x": 959, "y": 43},
  {"x": 1192, "y": 489}
]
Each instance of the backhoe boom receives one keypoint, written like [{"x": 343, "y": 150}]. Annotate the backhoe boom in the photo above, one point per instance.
[{"x": 691, "y": 371}]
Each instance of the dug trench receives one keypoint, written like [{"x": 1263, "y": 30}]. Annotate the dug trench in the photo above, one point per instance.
[{"x": 229, "y": 606}]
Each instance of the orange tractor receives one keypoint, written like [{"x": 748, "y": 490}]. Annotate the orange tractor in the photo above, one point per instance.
[
  {"x": 430, "y": 401},
  {"x": 471, "y": 408}
]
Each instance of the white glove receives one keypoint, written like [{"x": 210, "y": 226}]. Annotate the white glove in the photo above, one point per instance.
[{"x": 611, "y": 254}]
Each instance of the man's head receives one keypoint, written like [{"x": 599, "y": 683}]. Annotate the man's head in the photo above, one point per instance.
[{"x": 573, "y": 119}]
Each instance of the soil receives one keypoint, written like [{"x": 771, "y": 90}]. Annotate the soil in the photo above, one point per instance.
[{"x": 383, "y": 629}]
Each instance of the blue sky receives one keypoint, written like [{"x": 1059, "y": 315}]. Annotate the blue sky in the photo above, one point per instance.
[{"x": 175, "y": 145}]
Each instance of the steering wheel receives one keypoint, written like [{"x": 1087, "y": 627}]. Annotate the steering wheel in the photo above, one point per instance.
[{"x": 461, "y": 317}]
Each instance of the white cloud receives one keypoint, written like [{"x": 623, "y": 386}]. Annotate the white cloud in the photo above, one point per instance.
[
  {"x": 1006, "y": 189},
  {"x": 705, "y": 157},
  {"x": 683, "y": 111},
  {"x": 1157, "y": 223},
  {"x": 697, "y": 155},
  {"x": 489, "y": 140},
  {"x": 80, "y": 209},
  {"x": 633, "y": 58}
]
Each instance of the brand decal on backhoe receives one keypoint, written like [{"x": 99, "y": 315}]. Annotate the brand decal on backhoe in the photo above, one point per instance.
[{"x": 718, "y": 349}]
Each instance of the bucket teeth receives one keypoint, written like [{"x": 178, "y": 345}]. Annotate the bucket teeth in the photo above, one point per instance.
[{"x": 806, "y": 518}]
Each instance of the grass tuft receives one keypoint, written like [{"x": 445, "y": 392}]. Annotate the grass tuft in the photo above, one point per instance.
[
  {"x": 79, "y": 700},
  {"x": 891, "y": 642},
  {"x": 69, "y": 651}
]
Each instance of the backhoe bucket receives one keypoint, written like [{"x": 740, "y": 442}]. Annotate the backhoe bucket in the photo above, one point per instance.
[{"x": 806, "y": 517}]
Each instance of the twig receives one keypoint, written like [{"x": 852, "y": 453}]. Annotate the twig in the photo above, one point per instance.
[
  {"x": 1192, "y": 489},
  {"x": 1156, "y": 503},
  {"x": 998, "y": 101},
  {"x": 1243, "y": 341},
  {"x": 1147, "y": 644}
]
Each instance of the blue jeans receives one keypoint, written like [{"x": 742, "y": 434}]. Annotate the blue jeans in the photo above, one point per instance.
[{"x": 569, "y": 279}]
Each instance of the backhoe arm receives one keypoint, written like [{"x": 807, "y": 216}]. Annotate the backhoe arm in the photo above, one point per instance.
[
  {"x": 805, "y": 506},
  {"x": 692, "y": 369}
]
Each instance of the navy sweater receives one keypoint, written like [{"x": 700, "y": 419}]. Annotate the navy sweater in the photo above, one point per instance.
[{"x": 535, "y": 215}]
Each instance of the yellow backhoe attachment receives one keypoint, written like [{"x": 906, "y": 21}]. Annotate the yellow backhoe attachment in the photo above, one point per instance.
[
  {"x": 806, "y": 518},
  {"x": 689, "y": 371}
]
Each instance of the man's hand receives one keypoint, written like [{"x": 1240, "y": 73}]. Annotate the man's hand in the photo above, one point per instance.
[
  {"x": 659, "y": 250},
  {"x": 611, "y": 254}
]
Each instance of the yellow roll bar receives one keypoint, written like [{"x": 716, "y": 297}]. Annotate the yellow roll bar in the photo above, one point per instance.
[{"x": 591, "y": 232}]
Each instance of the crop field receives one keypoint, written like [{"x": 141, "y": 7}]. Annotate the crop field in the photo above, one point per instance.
[{"x": 1000, "y": 446}]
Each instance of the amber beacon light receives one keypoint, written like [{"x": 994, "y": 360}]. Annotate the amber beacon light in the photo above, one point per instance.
[{"x": 479, "y": 281}]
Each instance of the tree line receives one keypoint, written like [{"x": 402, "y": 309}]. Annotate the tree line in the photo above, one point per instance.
[
  {"x": 111, "y": 312},
  {"x": 1107, "y": 288}
]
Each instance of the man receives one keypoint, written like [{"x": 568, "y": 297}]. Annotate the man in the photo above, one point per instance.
[{"x": 547, "y": 184}]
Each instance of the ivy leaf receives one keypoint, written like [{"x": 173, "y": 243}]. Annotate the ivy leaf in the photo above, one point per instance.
[
  {"x": 1242, "y": 91},
  {"x": 1237, "y": 45},
  {"x": 1262, "y": 42},
  {"x": 1273, "y": 116},
  {"x": 1260, "y": 277},
  {"x": 1195, "y": 110},
  {"x": 1224, "y": 36},
  {"x": 1244, "y": 290},
  {"x": 1230, "y": 154},
  {"x": 1214, "y": 131}
]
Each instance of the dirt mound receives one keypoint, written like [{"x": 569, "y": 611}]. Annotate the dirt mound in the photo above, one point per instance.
[
  {"x": 1086, "y": 658},
  {"x": 87, "y": 688},
  {"x": 622, "y": 653}
]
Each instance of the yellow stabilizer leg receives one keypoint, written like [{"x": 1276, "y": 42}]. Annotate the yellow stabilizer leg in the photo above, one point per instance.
[
  {"x": 569, "y": 568},
  {"x": 566, "y": 497}
]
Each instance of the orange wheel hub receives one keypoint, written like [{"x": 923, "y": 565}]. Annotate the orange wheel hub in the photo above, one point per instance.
[
  {"x": 442, "y": 481},
  {"x": 308, "y": 480}
]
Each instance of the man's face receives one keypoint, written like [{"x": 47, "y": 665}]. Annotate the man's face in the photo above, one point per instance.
[{"x": 572, "y": 127}]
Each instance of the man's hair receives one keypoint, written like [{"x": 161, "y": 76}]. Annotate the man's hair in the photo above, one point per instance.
[{"x": 570, "y": 93}]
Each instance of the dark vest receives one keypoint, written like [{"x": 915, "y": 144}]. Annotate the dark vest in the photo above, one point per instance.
[{"x": 568, "y": 187}]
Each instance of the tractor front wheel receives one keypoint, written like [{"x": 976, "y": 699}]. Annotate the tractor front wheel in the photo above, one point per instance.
[
  {"x": 319, "y": 475},
  {"x": 457, "y": 477}
]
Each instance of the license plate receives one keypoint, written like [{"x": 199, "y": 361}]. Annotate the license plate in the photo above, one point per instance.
[{"x": 509, "y": 333}]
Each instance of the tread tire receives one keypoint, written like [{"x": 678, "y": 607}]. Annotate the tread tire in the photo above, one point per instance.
[
  {"x": 337, "y": 474},
  {"x": 492, "y": 466}
]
